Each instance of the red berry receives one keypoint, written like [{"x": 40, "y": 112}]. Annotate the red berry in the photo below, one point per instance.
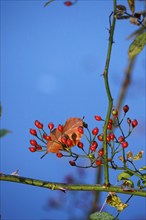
[
  {"x": 108, "y": 138},
  {"x": 51, "y": 125},
  {"x": 100, "y": 137},
  {"x": 112, "y": 136},
  {"x": 98, "y": 162},
  {"x": 46, "y": 137},
  {"x": 63, "y": 140},
  {"x": 101, "y": 152},
  {"x": 80, "y": 145},
  {"x": 33, "y": 132},
  {"x": 33, "y": 142},
  {"x": 68, "y": 3},
  {"x": 126, "y": 108},
  {"x": 121, "y": 139},
  {"x": 32, "y": 149},
  {"x": 59, "y": 154},
  {"x": 134, "y": 123},
  {"x": 110, "y": 121},
  {"x": 80, "y": 130},
  {"x": 38, "y": 147},
  {"x": 72, "y": 163},
  {"x": 109, "y": 126},
  {"x": 69, "y": 142},
  {"x": 38, "y": 124},
  {"x": 115, "y": 113},
  {"x": 93, "y": 146},
  {"x": 129, "y": 121},
  {"x": 98, "y": 118},
  {"x": 60, "y": 127},
  {"x": 95, "y": 131},
  {"x": 124, "y": 144}
]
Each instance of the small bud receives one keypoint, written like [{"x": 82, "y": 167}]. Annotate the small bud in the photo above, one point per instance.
[{"x": 129, "y": 121}]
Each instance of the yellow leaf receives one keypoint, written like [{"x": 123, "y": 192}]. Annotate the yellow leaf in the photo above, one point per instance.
[
  {"x": 142, "y": 168},
  {"x": 121, "y": 206},
  {"x": 114, "y": 201},
  {"x": 138, "y": 156}
]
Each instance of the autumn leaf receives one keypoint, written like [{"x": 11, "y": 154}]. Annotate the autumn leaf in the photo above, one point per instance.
[
  {"x": 70, "y": 131},
  {"x": 114, "y": 200}
]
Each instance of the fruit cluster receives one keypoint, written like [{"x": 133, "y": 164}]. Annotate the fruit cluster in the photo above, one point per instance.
[{"x": 69, "y": 135}]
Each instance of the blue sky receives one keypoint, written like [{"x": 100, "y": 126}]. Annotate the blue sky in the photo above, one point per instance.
[{"x": 52, "y": 60}]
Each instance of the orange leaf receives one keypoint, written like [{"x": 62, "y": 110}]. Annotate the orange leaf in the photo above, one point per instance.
[{"x": 70, "y": 130}]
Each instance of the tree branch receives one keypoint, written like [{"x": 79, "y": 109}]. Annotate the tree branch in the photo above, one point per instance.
[{"x": 71, "y": 187}]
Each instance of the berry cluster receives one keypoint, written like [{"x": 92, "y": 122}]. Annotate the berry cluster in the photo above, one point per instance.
[
  {"x": 43, "y": 137},
  {"x": 115, "y": 142}
]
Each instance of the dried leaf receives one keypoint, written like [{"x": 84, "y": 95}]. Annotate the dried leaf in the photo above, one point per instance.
[
  {"x": 129, "y": 155},
  {"x": 70, "y": 130},
  {"x": 138, "y": 156},
  {"x": 114, "y": 200},
  {"x": 137, "y": 45},
  {"x": 128, "y": 183},
  {"x": 121, "y": 158},
  {"x": 131, "y": 4}
]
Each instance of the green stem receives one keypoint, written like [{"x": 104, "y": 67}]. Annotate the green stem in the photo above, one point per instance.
[
  {"x": 110, "y": 99},
  {"x": 72, "y": 187}
]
